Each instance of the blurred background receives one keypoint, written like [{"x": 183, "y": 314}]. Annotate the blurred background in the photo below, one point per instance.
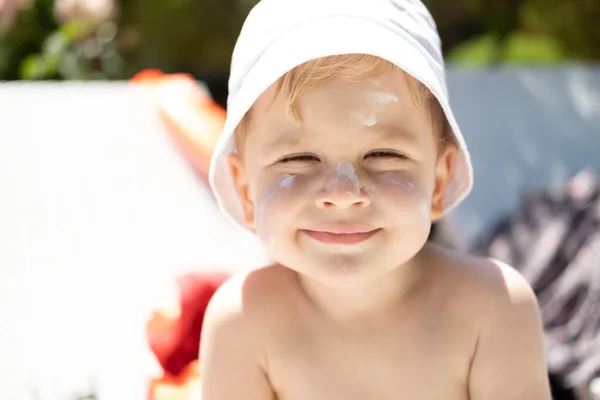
[
  {"x": 114, "y": 39},
  {"x": 105, "y": 219}
]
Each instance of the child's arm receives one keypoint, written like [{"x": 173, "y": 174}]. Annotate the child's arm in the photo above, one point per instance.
[
  {"x": 509, "y": 361},
  {"x": 230, "y": 350}
]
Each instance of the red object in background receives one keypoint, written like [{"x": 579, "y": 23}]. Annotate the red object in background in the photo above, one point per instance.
[
  {"x": 174, "y": 338},
  {"x": 192, "y": 118}
]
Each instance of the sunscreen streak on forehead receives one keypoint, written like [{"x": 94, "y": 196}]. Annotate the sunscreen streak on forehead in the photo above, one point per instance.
[
  {"x": 382, "y": 98},
  {"x": 378, "y": 99}
]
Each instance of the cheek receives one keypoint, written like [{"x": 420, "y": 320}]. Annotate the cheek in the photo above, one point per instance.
[
  {"x": 275, "y": 206},
  {"x": 400, "y": 193}
]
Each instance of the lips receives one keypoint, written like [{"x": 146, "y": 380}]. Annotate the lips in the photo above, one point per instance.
[{"x": 345, "y": 234}]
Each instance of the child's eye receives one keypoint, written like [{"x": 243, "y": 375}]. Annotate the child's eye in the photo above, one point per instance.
[
  {"x": 386, "y": 154},
  {"x": 299, "y": 158}
]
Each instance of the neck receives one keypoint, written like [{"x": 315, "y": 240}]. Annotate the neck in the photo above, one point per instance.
[{"x": 371, "y": 299}]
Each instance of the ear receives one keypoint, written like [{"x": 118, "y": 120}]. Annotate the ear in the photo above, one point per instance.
[
  {"x": 240, "y": 180},
  {"x": 444, "y": 170}
]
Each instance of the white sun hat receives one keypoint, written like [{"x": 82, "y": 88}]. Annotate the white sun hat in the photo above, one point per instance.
[{"x": 279, "y": 35}]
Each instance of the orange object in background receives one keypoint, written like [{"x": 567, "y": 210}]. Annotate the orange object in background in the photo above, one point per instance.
[
  {"x": 174, "y": 337},
  {"x": 193, "y": 119},
  {"x": 181, "y": 387}
]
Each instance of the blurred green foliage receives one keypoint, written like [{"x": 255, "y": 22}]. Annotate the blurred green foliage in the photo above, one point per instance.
[
  {"x": 516, "y": 48},
  {"x": 531, "y": 31},
  {"x": 113, "y": 39}
]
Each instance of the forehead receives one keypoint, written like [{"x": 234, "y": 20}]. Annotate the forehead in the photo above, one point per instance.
[{"x": 338, "y": 105}]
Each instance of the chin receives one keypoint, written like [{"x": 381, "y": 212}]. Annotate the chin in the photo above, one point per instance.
[{"x": 345, "y": 270}]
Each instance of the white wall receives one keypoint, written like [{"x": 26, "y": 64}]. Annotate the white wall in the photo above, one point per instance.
[
  {"x": 533, "y": 127},
  {"x": 97, "y": 210}
]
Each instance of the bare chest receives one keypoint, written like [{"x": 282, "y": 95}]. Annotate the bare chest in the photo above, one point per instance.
[{"x": 426, "y": 359}]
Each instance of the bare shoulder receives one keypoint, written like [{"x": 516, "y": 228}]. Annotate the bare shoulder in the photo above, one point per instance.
[
  {"x": 483, "y": 283},
  {"x": 250, "y": 296},
  {"x": 233, "y": 341},
  {"x": 240, "y": 316},
  {"x": 508, "y": 356}
]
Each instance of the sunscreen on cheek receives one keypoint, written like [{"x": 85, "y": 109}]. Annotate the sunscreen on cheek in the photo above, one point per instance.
[
  {"x": 268, "y": 203},
  {"x": 287, "y": 181},
  {"x": 404, "y": 190}
]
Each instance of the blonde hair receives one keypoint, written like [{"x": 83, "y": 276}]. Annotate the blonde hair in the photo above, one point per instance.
[{"x": 354, "y": 68}]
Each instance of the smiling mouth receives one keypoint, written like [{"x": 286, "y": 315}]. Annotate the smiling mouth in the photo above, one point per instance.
[{"x": 341, "y": 234}]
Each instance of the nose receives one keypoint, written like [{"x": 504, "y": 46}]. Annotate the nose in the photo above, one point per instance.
[{"x": 343, "y": 192}]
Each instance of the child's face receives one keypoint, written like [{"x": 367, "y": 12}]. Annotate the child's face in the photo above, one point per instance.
[{"x": 351, "y": 193}]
